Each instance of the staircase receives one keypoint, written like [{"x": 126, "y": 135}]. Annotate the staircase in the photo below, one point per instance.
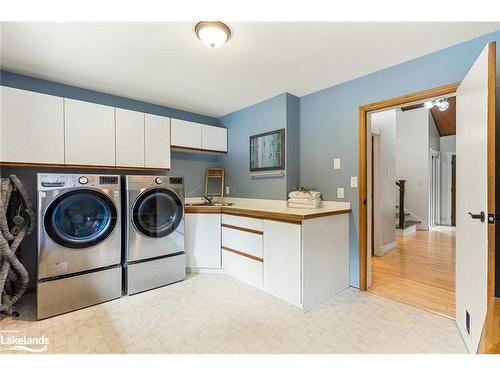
[{"x": 404, "y": 226}]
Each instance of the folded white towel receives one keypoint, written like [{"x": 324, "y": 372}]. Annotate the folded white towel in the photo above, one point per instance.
[
  {"x": 312, "y": 205},
  {"x": 303, "y": 195},
  {"x": 303, "y": 201}
]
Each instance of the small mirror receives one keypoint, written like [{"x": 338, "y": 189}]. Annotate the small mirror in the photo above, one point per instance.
[{"x": 214, "y": 184}]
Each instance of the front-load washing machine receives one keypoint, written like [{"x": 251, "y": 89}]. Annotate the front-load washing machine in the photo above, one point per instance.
[
  {"x": 154, "y": 232},
  {"x": 79, "y": 242}
]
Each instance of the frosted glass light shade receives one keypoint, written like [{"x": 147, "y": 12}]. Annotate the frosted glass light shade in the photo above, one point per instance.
[{"x": 212, "y": 34}]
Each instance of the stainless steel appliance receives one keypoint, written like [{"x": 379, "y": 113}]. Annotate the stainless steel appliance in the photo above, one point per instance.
[
  {"x": 79, "y": 242},
  {"x": 154, "y": 235}
]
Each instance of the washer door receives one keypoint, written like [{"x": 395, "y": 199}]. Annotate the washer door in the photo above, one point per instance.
[
  {"x": 157, "y": 212},
  {"x": 80, "y": 218}
]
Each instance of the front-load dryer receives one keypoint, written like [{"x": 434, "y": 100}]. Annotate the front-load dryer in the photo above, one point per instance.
[
  {"x": 154, "y": 232},
  {"x": 79, "y": 242}
]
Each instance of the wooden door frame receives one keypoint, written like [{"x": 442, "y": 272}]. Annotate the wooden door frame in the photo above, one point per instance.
[
  {"x": 364, "y": 110},
  {"x": 491, "y": 145}
]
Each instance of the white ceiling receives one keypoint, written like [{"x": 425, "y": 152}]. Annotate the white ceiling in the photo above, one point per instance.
[{"x": 164, "y": 63}]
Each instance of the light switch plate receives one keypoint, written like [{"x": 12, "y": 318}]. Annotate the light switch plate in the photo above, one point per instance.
[
  {"x": 354, "y": 181},
  {"x": 336, "y": 163},
  {"x": 340, "y": 192},
  {"x": 227, "y": 190}
]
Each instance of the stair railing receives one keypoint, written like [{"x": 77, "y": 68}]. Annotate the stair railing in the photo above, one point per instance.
[{"x": 401, "y": 185}]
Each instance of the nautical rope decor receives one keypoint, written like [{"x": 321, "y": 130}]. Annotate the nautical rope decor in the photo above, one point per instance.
[{"x": 22, "y": 224}]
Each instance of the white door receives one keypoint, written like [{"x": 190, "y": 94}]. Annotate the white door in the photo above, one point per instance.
[
  {"x": 157, "y": 141},
  {"x": 475, "y": 101}
]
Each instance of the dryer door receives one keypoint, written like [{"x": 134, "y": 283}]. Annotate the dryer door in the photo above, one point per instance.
[
  {"x": 157, "y": 212},
  {"x": 80, "y": 218}
]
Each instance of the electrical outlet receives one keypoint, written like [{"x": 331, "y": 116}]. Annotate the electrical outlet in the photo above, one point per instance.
[
  {"x": 340, "y": 192},
  {"x": 227, "y": 190},
  {"x": 336, "y": 163},
  {"x": 354, "y": 181}
]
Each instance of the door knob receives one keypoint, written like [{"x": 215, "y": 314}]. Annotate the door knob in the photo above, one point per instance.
[{"x": 481, "y": 216}]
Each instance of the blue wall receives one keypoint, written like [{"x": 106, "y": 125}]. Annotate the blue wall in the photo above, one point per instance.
[
  {"x": 258, "y": 118},
  {"x": 329, "y": 120},
  {"x": 191, "y": 166},
  {"x": 292, "y": 150}
]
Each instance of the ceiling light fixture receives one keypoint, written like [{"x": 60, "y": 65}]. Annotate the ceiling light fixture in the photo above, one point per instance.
[
  {"x": 441, "y": 104},
  {"x": 213, "y": 34}
]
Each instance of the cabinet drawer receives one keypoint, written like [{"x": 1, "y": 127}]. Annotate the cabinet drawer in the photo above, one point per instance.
[
  {"x": 245, "y": 242},
  {"x": 242, "y": 268},
  {"x": 243, "y": 222}
]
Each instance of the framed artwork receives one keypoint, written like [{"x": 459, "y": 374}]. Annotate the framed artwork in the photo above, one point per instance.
[{"x": 267, "y": 151}]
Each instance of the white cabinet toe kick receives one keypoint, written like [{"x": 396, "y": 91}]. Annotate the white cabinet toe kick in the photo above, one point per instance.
[{"x": 303, "y": 263}]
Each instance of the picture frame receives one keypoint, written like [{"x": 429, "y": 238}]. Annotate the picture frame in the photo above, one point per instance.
[{"x": 267, "y": 151}]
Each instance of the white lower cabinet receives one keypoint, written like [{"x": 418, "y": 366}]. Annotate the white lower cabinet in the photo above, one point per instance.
[
  {"x": 243, "y": 268},
  {"x": 203, "y": 240},
  {"x": 282, "y": 260}
]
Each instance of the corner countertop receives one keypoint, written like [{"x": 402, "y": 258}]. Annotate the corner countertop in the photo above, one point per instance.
[{"x": 269, "y": 209}]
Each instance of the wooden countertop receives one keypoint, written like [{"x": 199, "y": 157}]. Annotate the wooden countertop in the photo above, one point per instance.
[{"x": 273, "y": 212}]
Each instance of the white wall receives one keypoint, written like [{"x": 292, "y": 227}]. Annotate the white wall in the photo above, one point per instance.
[
  {"x": 447, "y": 149},
  {"x": 385, "y": 177},
  {"x": 415, "y": 133}
]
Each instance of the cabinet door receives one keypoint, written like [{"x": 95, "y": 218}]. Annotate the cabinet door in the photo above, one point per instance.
[
  {"x": 203, "y": 240},
  {"x": 157, "y": 141},
  {"x": 186, "y": 134},
  {"x": 213, "y": 138},
  {"x": 282, "y": 266},
  {"x": 129, "y": 138},
  {"x": 32, "y": 127},
  {"x": 89, "y": 133}
]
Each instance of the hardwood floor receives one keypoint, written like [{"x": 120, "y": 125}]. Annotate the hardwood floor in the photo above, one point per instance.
[{"x": 420, "y": 271}]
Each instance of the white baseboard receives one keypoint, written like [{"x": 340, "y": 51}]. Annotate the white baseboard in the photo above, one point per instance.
[
  {"x": 204, "y": 270},
  {"x": 385, "y": 249},
  {"x": 407, "y": 231}
]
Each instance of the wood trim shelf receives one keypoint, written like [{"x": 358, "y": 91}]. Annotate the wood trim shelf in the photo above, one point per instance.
[
  {"x": 184, "y": 148},
  {"x": 254, "y": 231},
  {"x": 79, "y": 166},
  {"x": 250, "y": 256},
  {"x": 363, "y": 172}
]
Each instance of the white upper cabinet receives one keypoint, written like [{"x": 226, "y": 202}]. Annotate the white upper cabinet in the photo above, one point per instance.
[
  {"x": 191, "y": 135},
  {"x": 89, "y": 133},
  {"x": 31, "y": 128},
  {"x": 157, "y": 141},
  {"x": 186, "y": 134},
  {"x": 129, "y": 138},
  {"x": 213, "y": 138}
]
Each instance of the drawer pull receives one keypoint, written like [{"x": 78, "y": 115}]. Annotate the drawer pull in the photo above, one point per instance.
[
  {"x": 254, "y": 231},
  {"x": 242, "y": 254}
]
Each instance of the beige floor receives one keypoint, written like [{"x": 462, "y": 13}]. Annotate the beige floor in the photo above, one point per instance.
[{"x": 218, "y": 314}]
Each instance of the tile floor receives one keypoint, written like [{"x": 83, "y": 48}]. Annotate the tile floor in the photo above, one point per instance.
[{"x": 214, "y": 313}]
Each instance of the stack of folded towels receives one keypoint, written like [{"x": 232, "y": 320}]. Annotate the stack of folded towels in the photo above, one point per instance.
[{"x": 300, "y": 199}]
